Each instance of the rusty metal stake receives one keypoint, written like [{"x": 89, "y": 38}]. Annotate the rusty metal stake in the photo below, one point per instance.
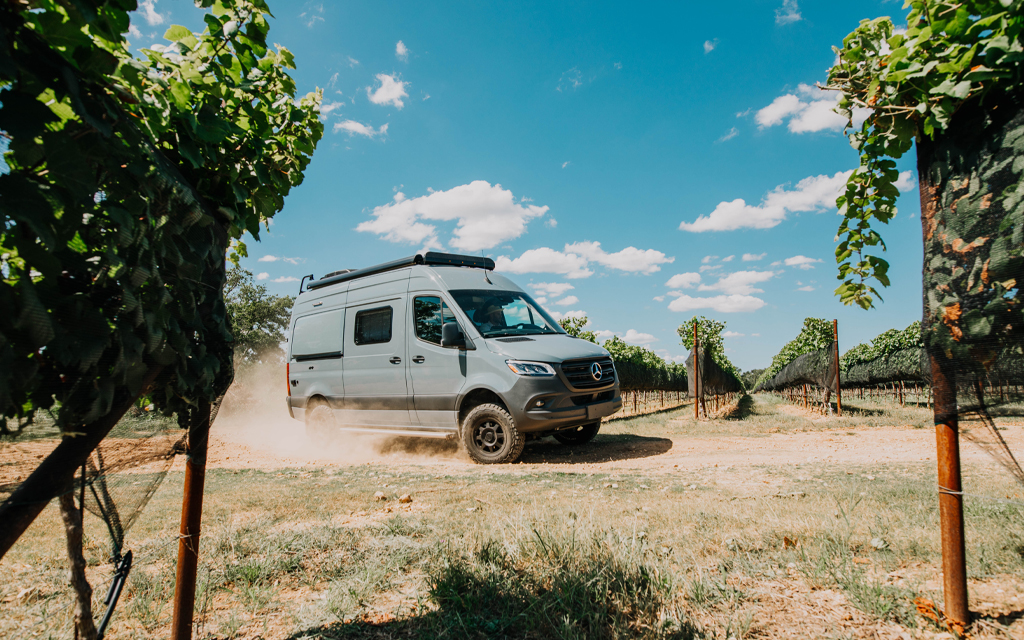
[
  {"x": 839, "y": 393},
  {"x": 951, "y": 507},
  {"x": 191, "y": 518},
  {"x": 697, "y": 396}
]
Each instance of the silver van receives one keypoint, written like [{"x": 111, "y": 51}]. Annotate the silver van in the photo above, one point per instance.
[{"x": 437, "y": 346}]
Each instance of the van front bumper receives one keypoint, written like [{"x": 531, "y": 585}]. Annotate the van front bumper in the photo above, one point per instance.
[{"x": 560, "y": 407}]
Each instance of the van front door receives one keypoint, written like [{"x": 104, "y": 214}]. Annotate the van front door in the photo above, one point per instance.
[
  {"x": 376, "y": 393},
  {"x": 437, "y": 373}
]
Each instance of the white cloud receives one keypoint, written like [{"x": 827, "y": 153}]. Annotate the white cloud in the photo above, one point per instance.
[
  {"x": 777, "y": 263},
  {"x": 273, "y": 258},
  {"x": 709, "y": 45},
  {"x": 707, "y": 259},
  {"x": 333, "y": 81},
  {"x": 134, "y": 32},
  {"x": 545, "y": 260},
  {"x": 740, "y": 282},
  {"x": 571, "y": 79},
  {"x": 659, "y": 298},
  {"x": 753, "y": 257},
  {"x": 732, "y": 133},
  {"x": 709, "y": 267},
  {"x": 567, "y": 300},
  {"x": 814, "y": 193},
  {"x": 313, "y": 15},
  {"x": 327, "y": 107},
  {"x": 391, "y": 91},
  {"x": 551, "y": 288},
  {"x": 732, "y": 334},
  {"x": 566, "y": 164},
  {"x": 557, "y": 315},
  {"x": 285, "y": 279},
  {"x": 484, "y": 215},
  {"x": 358, "y": 128},
  {"x": 551, "y": 222},
  {"x": 728, "y": 258},
  {"x": 629, "y": 259},
  {"x": 683, "y": 281},
  {"x": 723, "y": 304},
  {"x": 263, "y": 276},
  {"x": 352, "y": 62},
  {"x": 617, "y": 65},
  {"x": 148, "y": 10},
  {"x": 801, "y": 262},
  {"x": 809, "y": 109},
  {"x": 788, "y": 13},
  {"x": 401, "y": 51},
  {"x": 631, "y": 336},
  {"x": 906, "y": 182},
  {"x": 807, "y": 288}
]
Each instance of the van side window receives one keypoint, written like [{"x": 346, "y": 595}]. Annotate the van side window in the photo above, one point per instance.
[
  {"x": 373, "y": 326},
  {"x": 318, "y": 336},
  {"x": 429, "y": 313}
]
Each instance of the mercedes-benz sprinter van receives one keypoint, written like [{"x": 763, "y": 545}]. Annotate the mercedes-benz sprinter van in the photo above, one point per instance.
[{"x": 436, "y": 345}]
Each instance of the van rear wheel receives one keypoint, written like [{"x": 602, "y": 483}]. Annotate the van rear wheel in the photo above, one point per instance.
[
  {"x": 320, "y": 425},
  {"x": 490, "y": 436},
  {"x": 578, "y": 435}
]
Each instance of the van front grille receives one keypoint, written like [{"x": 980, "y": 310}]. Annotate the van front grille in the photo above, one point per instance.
[{"x": 579, "y": 373}]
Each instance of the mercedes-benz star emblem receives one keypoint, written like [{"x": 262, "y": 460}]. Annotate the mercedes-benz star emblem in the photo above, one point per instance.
[{"x": 595, "y": 371}]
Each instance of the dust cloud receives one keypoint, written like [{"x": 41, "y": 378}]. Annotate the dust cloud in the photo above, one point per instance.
[{"x": 253, "y": 426}]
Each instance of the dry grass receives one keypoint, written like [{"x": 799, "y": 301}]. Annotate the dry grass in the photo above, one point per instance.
[{"x": 796, "y": 551}]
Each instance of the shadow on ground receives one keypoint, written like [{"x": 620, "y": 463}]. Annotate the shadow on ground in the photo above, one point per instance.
[
  {"x": 743, "y": 409},
  {"x": 603, "y": 448}
]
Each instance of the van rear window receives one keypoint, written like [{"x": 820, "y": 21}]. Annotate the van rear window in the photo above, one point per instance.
[
  {"x": 373, "y": 326},
  {"x": 318, "y": 335}
]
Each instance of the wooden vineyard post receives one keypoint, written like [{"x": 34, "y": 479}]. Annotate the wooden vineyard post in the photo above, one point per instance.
[
  {"x": 839, "y": 392},
  {"x": 696, "y": 375},
  {"x": 191, "y": 518}
]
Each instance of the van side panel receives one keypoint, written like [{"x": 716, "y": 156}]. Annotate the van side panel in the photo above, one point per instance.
[{"x": 315, "y": 351}]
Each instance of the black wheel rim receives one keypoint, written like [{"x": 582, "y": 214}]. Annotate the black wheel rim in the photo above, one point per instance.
[{"x": 489, "y": 437}]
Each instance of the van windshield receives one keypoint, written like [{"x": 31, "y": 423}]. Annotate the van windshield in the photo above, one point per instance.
[{"x": 504, "y": 313}]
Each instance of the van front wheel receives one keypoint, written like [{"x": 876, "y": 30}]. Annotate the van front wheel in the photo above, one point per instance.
[
  {"x": 490, "y": 436},
  {"x": 578, "y": 435}
]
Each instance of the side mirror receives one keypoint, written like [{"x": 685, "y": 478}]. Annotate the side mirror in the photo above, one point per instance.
[{"x": 452, "y": 336}]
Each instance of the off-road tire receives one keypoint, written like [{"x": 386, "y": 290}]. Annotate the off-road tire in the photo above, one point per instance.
[
  {"x": 578, "y": 435},
  {"x": 321, "y": 427},
  {"x": 490, "y": 436}
]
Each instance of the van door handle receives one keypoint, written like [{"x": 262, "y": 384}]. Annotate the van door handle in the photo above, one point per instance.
[
  {"x": 396, "y": 360},
  {"x": 419, "y": 359}
]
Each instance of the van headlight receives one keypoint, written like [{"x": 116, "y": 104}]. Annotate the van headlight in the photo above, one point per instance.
[{"x": 523, "y": 368}]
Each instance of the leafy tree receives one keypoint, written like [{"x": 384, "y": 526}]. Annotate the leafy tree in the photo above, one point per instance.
[
  {"x": 624, "y": 352},
  {"x": 816, "y": 334},
  {"x": 749, "y": 378},
  {"x": 258, "y": 319},
  {"x": 910, "y": 85},
  {"x": 709, "y": 335},
  {"x": 885, "y": 343},
  {"x": 128, "y": 179},
  {"x": 574, "y": 327}
]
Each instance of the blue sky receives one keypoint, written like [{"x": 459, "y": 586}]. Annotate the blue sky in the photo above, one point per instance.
[{"x": 637, "y": 164}]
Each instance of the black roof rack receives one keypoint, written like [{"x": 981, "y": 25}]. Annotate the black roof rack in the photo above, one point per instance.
[{"x": 428, "y": 258}]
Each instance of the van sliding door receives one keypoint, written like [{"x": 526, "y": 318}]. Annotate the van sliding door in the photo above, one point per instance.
[{"x": 376, "y": 393}]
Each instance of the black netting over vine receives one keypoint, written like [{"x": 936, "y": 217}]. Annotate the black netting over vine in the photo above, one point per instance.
[
  {"x": 906, "y": 365},
  {"x": 710, "y": 378},
  {"x": 972, "y": 196},
  {"x": 816, "y": 368},
  {"x": 121, "y": 475},
  {"x": 636, "y": 377}
]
